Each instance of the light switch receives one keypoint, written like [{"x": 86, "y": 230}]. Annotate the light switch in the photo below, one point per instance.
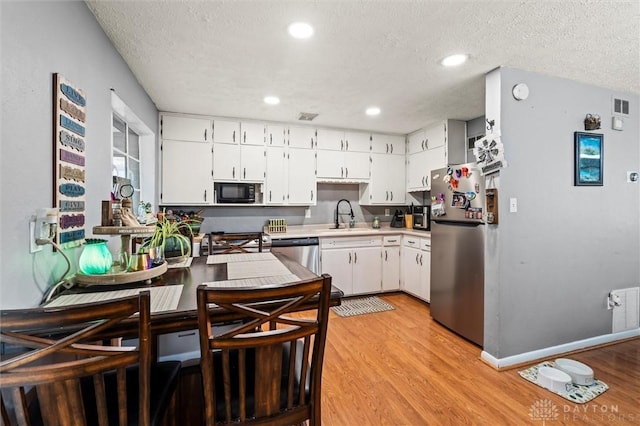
[{"x": 513, "y": 205}]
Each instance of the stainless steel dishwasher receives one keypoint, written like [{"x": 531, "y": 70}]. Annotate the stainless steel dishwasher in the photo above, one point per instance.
[{"x": 305, "y": 251}]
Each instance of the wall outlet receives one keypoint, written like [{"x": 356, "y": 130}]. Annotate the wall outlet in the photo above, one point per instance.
[
  {"x": 307, "y": 212},
  {"x": 387, "y": 212},
  {"x": 33, "y": 247},
  {"x": 513, "y": 205}
]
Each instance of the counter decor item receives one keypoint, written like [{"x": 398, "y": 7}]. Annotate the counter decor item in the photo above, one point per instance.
[
  {"x": 96, "y": 258},
  {"x": 277, "y": 226},
  {"x": 376, "y": 223},
  {"x": 173, "y": 236}
]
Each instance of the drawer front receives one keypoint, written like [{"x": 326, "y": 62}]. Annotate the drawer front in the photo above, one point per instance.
[
  {"x": 391, "y": 240},
  {"x": 425, "y": 244},
  {"x": 411, "y": 242},
  {"x": 350, "y": 242}
]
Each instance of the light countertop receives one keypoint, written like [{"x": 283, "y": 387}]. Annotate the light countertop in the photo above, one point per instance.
[{"x": 327, "y": 230}]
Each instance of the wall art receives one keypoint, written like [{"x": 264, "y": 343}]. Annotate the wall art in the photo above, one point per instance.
[
  {"x": 69, "y": 184},
  {"x": 588, "y": 166}
]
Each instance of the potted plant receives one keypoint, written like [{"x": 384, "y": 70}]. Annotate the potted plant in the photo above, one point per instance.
[{"x": 172, "y": 237}]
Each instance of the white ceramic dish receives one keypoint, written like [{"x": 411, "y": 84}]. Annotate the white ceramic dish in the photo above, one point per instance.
[
  {"x": 581, "y": 374},
  {"x": 553, "y": 379}
]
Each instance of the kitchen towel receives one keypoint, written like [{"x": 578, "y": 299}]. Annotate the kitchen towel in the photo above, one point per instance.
[{"x": 576, "y": 393}]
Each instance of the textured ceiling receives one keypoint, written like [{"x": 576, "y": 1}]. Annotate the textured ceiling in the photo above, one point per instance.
[{"x": 222, "y": 57}]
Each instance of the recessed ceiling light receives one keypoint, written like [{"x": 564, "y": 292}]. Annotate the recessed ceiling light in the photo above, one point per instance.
[
  {"x": 271, "y": 100},
  {"x": 454, "y": 60},
  {"x": 300, "y": 30},
  {"x": 373, "y": 111}
]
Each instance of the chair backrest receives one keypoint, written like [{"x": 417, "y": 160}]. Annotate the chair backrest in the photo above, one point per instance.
[
  {"x": 61, "y": 357},
  {"x": 231, "y": 243},
  {"x": 269, "y": 367}
]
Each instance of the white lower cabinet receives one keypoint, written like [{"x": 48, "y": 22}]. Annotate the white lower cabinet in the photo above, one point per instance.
[
  {"x": 416, "y": 266},
  {"x": 391, "y": 263},
  {"x": 354, "y": 263}
]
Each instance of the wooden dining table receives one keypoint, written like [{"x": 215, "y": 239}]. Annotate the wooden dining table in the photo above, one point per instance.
[{"x": 184, "y": 317}]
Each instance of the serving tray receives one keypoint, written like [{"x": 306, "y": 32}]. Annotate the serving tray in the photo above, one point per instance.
[{"x": 121, "y": 277}]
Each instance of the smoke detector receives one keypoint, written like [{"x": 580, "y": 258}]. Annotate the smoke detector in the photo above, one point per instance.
[{"x": 307, "y": 116}]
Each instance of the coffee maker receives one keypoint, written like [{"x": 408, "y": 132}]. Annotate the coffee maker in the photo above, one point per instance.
[
  {"x": 422, "y": 218},
  {"x": 397, "y": 221}
]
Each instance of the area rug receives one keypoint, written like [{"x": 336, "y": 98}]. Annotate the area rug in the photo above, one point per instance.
[
  {"x": 361, "y": 305},
  {"x": 575, "y": 393}
]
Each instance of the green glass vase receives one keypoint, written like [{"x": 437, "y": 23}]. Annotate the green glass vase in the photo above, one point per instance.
[{"x": 95, "y": 258}]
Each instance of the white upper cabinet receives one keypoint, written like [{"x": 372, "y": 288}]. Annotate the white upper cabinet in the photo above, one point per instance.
[
  {"x": 330, "y": 139},
  {"x": 339, "y": 140},
  {"x": 185, "y": 128},
  {"x": 253, "y": 166},
  {"x": 416, "y": 142},
  {"x": 340, "y": 165},
  {"x": 225, "y": 131},
  {"x": 276, "y": 135},
  {"x": 301, "y": 177},
  {"x": 387, "y": 144},
  {"x": 246, "y": 133},
  {"x": 226, "y": 162},
  {"x": 276, "y": 178},
  {"x": 302, "y": 137},
  {"x": 252, "y": 133},
  {"x": 357, "y": 141},
  {"x": 433, "y": 148},
  {"x": 387, "y": 181},
  {"x": 182, "y": 185}
]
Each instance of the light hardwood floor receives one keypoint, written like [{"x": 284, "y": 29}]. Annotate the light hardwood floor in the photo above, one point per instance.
[{"x": 402, "y": 368}]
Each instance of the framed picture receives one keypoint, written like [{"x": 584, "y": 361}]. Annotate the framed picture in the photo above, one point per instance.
[{"x": 588, "y": 159}]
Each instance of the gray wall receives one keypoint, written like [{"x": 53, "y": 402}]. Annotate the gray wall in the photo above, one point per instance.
[
  {"x": 39, "y": 39},
  {"x": 552, "y": 264}
]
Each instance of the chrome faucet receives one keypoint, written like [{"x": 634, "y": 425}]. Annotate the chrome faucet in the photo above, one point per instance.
[{"x": 338, "y": 208}]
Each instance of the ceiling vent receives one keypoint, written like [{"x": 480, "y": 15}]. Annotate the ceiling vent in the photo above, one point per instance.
[
  {"x": 620, "y": 106},
  {"x": 307, "y": 116}
]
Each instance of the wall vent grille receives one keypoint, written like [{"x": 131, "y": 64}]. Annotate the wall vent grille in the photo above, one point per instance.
[
  {"x": 307, "y": 116},
  {"x": 620, "y": 106}
]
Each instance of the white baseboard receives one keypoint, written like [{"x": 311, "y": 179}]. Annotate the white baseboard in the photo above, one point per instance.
[{"x": 559, "y": 349}]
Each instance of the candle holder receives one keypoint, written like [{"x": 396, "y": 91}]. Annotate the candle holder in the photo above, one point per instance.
[{"x": 95, "y": 258}]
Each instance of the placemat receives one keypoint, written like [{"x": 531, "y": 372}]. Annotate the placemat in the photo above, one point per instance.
[{"x": 576, "y": 393}]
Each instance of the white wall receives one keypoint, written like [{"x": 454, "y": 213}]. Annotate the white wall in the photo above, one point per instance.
[
  {"x": 37, "y": 40},
  {"x": 552, "y": 264}
]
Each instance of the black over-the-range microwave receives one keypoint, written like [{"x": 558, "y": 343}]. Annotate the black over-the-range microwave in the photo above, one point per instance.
[{"x": 235, "y": 192}]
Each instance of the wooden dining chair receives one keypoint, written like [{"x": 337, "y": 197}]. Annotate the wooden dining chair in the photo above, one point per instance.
[
  {"x": 58, "y": 353},
  {"x": 233, "y": 242},
  {"x": 267, "y": 369}
]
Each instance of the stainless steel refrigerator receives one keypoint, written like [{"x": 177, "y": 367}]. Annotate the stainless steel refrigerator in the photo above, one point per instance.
[{"x": 457, "y": 249}]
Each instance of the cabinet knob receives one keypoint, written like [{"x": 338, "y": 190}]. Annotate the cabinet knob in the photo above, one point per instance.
[
  {"x": 349, "y": 257},
  {"x": 341, "y": 145},
  {"x": 269, "y": 195},
  {"x": 426, "y": 143},
  {"x": 392, "y": 148},
  {"x": 385, "y": 255},
  {"x": 355, "y": 257},
  {"x": 233, "y": 172},
  {"x": 420, "y": 259},
  {"x": 391, "y": 195},
  {"x": 205, "y": 135},
  {"x": 387, "y": 148},
  {"x": 341, "y": 171},
  {"x": 205, "y": 195},
  {"x": 234, "y": 135},
  {"x": 346, "y": 172},
  {"x": 417, "y": 255},
  {"x": 244, "y": 136},
  {"x": 244, "y": 173},
  {"x": 312, "y": 195}
]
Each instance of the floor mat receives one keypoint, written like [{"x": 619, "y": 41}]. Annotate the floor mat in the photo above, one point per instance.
[
  {"x": 361, "y": 305},
  {"x": 575, "y": 393}
]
